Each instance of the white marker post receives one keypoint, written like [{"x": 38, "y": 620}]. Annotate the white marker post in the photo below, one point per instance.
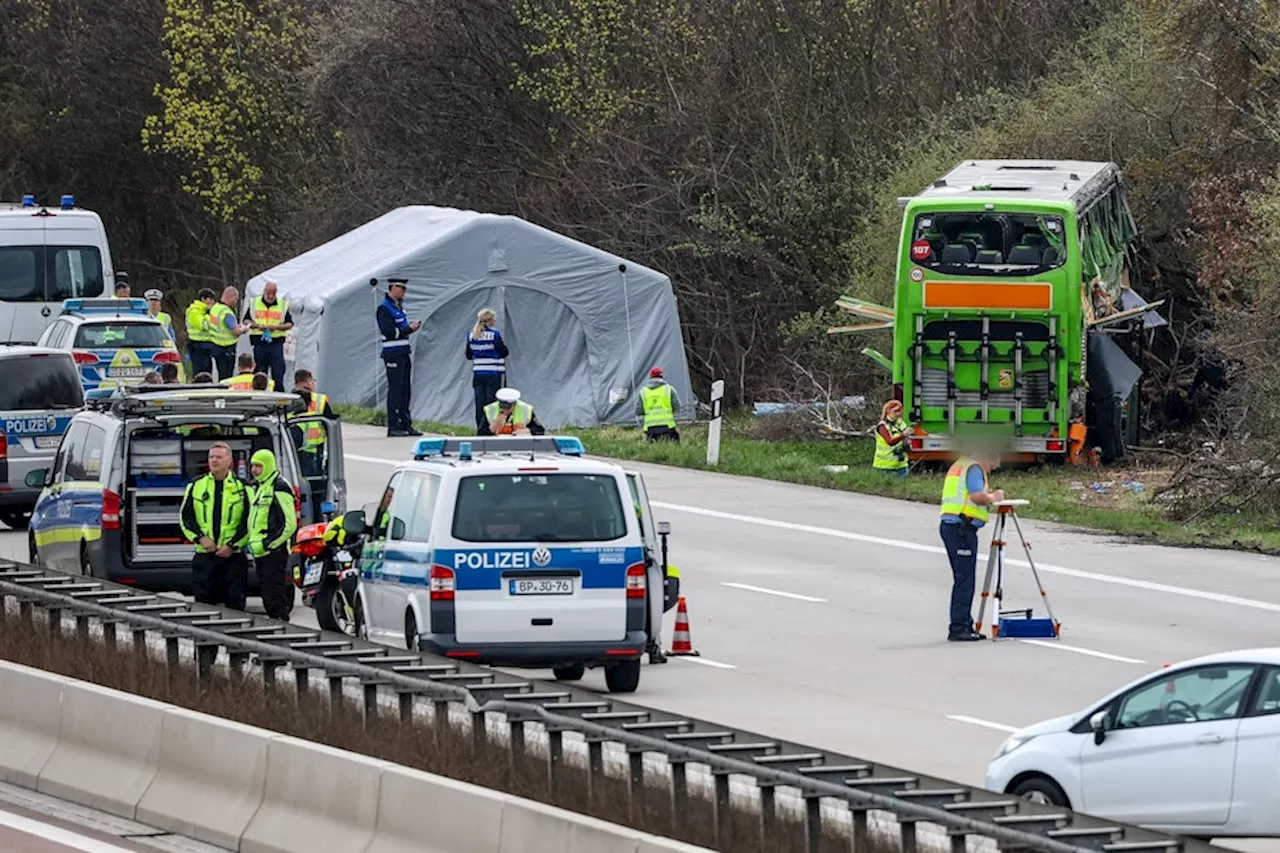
[{"x": 713, "y": 434}]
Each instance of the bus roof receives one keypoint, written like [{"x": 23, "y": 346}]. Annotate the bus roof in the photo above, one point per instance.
[{"x": 1078, "y": 181}]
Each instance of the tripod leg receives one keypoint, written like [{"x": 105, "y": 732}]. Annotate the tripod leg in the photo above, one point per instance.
[
  {"x": 1026, "y": 547},
  {"x": 992, "y": 558}
]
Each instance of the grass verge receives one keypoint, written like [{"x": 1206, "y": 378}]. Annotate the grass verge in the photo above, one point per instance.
[
  {"x": 1106, "y": 501},
  {"x": 418, "y": 744}
]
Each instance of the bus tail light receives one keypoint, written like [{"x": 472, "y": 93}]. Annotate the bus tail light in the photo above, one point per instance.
[
  {"x": 441, "y": 583},
  {"x": 110, "y": 510},
  {"x": 1055, "y": 445},
  {"x": 916, "y": 443},
  {"x": 84, "y": 357},
  {"x": 635, "y": 581}
]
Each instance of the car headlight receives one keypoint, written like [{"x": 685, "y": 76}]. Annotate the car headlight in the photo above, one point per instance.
[{"x": 1012, "y": 743}]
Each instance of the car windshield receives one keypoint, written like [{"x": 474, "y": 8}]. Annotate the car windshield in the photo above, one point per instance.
[
  {"x": 39, "y": 382},
  {"x": 988, "y": 243},
  {"x": 117, "y": 335},
  {"x": 528, "y": 507}
]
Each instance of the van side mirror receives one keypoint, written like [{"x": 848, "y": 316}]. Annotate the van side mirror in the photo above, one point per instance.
[
  {"x": 36, "y": 479},
  {"x": 1098, "y": 722},
  {"x": 353, "y": 522},
  {"x": 397, "y": 529}
]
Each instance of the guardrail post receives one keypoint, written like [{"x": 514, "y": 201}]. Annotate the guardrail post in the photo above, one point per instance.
[
  {"x": 813, "y": 824},
  {"x": 171, "y": 655},
  {"x": 440, "y": 722},
  {"x": 860, "y": 838},
  {"x": 301, "y": 682},
  {"x": 479, "y": 733},
  {"x": 555, "y": 761},
  {"x": 713, "y": 431},
  {"x": 336, "y": 694},
  {"x": 82, "y": 626},
  {"x": 907, "y": 832},
  {"x": 635, "y": 783},
  {"x": 595, "y": 772},
  {"x": 206, "y": 655},
  {"x": 959, "y": 842},
  {"x": 516, "y": 752},
  {"x": 25, "y": 611},
  {"x": 370, "y": 704},
  {"x": 109, "y": 634},
  {"x": 679, "y": 795},
  {"x": 721, "y": 809},
  {"x": 768, "y": 813},
  {"x": 140, "y": 642},
  {"x": 406, "y": 707}
]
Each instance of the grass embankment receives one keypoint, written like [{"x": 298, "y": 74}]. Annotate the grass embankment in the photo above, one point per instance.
[
  {"x": 453, "y": 753},
  {"x": 1111, "y": 500}
]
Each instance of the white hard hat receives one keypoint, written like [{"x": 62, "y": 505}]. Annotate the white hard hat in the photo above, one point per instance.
[{"x": 508, "y": 395}]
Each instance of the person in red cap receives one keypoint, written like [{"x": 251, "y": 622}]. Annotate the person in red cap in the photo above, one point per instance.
[{"x": 657, "y": 405}]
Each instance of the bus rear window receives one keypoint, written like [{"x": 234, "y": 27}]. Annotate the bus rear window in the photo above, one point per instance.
[
  {"x": 987, "y": 242},
  {"x": 533, "y": 507}
]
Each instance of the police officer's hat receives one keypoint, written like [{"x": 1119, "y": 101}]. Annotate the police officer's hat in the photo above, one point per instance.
[
  {"x": 403, "y": 282},
  {"x": 153, "y": 293},
  {"x": 508, "y": 395}
]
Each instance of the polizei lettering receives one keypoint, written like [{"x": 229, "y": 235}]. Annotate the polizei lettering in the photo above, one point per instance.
[{"x": 491, "y": 560}]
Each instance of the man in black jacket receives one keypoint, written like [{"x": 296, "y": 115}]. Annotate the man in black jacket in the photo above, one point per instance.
[
  {"x": 215, "y": 516},
  {"x": 273, "y": 520}
]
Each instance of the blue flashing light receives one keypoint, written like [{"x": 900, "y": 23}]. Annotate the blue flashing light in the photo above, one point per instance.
[
  {"x": 68, "y": 202},
  {"x": 105, "y": 305},
  {"x": 569, "y": 445},
  {"x": 28, "y": 200},
  {"x": 327, "y": 506},
  {"x": 464, "y": 450},
  {"x": 428, "y": 447}
]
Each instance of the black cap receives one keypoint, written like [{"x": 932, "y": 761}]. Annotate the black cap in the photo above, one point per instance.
[{"x": 399, "y": 281}]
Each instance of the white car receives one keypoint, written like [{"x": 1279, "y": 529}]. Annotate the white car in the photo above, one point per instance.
[{"x": 1193, "y": 749}]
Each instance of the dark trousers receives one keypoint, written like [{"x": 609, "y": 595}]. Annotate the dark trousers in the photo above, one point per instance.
[
  {"x": 662, "y": 433},
  {"x": 201, "y": 357},
  {"x": 486, "y": 388},
  {"x": 220, "y": 580},
  {"x": 398, "y": 384},
  {"x": 961, "y": 541},
  {"x": 277, "y": 591},
  {"x": 224, "y": 358},
  {"x": 269, "y": 359}
]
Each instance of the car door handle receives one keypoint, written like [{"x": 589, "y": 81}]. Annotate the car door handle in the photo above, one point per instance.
[{"x": 1210, "y": 739}]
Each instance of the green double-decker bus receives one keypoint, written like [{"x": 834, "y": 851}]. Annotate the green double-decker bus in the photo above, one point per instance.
[{"x": 1013, "y": 317}]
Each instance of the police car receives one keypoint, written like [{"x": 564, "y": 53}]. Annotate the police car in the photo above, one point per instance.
[
  {"x": 114, "y": 342},
  {"x": 510, "y": 551}
]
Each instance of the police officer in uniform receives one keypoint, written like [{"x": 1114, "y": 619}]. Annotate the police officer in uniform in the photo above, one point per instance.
[
  {"x": 966, "y": 501},
  {"x": 224, "y": 331},
  {"x": 891, "y": 441},
  {"x": 215, "y": 515},
  {"x": 153, "y": 306},
  {"x": 396, "y": 328},
  {"x": 272, "y": 523},
  {"x": 269, "y": 322},
  {"x": 199, "y": 338},
  {"x": 487, "y": 353},
  {"x": 657, "y": 404},
  {"x": 509, "y": 415}
]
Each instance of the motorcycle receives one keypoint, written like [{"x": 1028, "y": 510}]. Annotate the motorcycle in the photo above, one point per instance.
[{"x": 326, "y": 574}]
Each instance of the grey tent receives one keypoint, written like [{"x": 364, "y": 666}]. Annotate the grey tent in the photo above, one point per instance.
[{"x": 584, "y": 327}]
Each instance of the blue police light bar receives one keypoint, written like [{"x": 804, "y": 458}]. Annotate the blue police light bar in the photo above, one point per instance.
[
  {"x": 468, "y": 448},
  {"x": 28, "y": 200},
  {"x": 429, "y": 447},
  {"x": 109, "y": 305},
  {"x": 68, "y": 202},
  {"x": 464, "y": 450},
  {"x": 569, "y": 445}
]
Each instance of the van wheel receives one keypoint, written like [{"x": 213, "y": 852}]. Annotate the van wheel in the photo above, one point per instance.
[
  {"x": 410, "y": 631},
  {"x": 86, "y": 566},
  {"x": 573, "y": 672},
  {"x": 623, "y": 677},
  {"x": 33, "y": 555}
]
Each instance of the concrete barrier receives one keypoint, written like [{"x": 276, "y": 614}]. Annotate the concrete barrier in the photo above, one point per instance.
[
  {"x": 411, "y": 806},
  {"x": 315, "y": 798},
  {"x": 217, "y": 764},
  {"x": 529, "y": 827},
  {"x": 30, "y": 715},
  {"x": 108, "y": 744}
]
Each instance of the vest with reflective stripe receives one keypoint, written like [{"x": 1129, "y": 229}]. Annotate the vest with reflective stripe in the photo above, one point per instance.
[
  {"x": 267, "y": 315},
  {"x": 235, "y": 506},
  {"x": 196, "y": 313},
  {"x": 485, "y": 360},
  {"x": 218, "y": 331},
  {"x": 657, "y": 407},
  {"x": 955, "y": 492},
  {"x": 244, "y": 382},
  {"x": 520, "y": 416},
  {"x": 166, "y": 321},
  {"x": 313, "y": 437},
  {"x": 885, "y": 457},
  {"x": 401, "y": 320}
]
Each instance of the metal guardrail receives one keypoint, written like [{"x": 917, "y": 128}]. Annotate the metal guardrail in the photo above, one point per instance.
[{"x": 817, "y": 774}]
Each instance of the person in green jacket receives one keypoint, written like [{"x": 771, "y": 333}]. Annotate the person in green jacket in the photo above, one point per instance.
[
  {"x": 215, "y": 515},
  {"x": 273, "y": 520}
]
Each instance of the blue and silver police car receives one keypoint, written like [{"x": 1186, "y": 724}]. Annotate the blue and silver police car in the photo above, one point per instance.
[
  {"x": 114, "y": 341},
  {"x": 39, "y": 394},
  {"x": 508, "y": 551}
]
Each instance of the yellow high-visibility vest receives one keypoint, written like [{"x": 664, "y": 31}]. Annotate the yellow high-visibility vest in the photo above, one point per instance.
[{"x": 956, "y": 498}]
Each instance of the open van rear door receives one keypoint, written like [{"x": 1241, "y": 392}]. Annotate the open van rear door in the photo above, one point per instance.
[{"x": 318, "y": 441}]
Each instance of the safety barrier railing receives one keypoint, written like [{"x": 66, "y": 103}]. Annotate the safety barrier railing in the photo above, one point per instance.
[{"x": 816, "y": 774}]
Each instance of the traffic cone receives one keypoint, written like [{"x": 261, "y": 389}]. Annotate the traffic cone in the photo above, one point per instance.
[{"x": 681, "y": 642}]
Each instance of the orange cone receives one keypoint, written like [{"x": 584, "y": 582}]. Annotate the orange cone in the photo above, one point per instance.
[{"x": 681, "y": 641}]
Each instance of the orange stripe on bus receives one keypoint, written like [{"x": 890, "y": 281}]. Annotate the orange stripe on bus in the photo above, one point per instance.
[{"x": 1037, "y": 296}]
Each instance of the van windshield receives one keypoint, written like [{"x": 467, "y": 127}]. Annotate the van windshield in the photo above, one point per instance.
[
  {"x": 539, "y": 508},
  {"x": 49, "y": 273},
  {"x": 39, "y": 383}
]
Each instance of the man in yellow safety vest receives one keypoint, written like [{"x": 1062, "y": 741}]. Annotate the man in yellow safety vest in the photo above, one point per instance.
[
  {"x": 269, "y": 322},
  {"x": 313, "y": 435},
  {"x": 199, "y": 338},
  {"x": 224, "y": 331},
  {"x": 966, "y": 501},
  {"x": 658, "y": 403},
  {"x": 509, "y": 415},
  {"x": 243, "y": 380}
]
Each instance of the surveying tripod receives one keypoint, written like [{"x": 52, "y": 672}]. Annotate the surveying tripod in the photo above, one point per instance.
[{"x": 1025, "y": 626}]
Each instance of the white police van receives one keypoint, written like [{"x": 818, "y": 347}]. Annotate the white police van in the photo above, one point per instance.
[{"x": 509, "y": 551}]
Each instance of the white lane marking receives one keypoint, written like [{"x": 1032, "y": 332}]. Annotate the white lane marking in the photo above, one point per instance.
[
  {"x": 986, "y": 724},
  {"x": 703, "y": 661},
  {"x": 1052, "y": 645},
  {"x": 65, "y": 837},
  {"x": 1150, "y": 586},
  {"x": 772, "y": 591}
]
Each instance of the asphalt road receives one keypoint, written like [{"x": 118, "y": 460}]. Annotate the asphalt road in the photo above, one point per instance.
[{"x": 821, "y": 617}]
